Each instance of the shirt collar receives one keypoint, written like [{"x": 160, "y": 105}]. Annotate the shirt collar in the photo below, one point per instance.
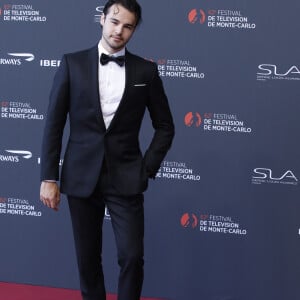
[{"x": 102, "y": 50}]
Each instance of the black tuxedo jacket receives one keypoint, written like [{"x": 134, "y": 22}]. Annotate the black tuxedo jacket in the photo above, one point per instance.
[{"x": 75, "y": 94}]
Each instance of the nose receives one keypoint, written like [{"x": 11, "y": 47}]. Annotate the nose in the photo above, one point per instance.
[{"x": 118, "y": 30}]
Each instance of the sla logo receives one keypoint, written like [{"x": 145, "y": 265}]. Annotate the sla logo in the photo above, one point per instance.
[
  {"x": 194, "y": 16},
  {"x": 265, "y": 175},
  {"x": 192, "y": 119},
  {"x": 189, "y": 220},
  {"x": 270, "y": 71}
]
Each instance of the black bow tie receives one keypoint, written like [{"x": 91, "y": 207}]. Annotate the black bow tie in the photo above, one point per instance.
[{"x": 104, "y": 59}]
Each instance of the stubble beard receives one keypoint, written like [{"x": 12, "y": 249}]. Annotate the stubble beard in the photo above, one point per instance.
[{"x": 114, "y": 46}]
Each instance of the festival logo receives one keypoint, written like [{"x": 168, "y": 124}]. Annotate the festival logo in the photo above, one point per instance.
[
  {"x": 274, "y": 72},
  {"x": 174, "y": 170},
  {"x": 217, "y": 122},
  {"x": 18, "y": 207},
  {"x": 192, "y": 119},
  {"x": 208, "y": 223},
  {"x": 19, "y": 110},
  {"x": 177, "y": 68},
  {"x": 21, "y": 13},
  {"x": 267, "y": 175},
  {"x": 189, "y": 220},
  {"x": 195, "y": 16},
  {"x": 220, "y": 18}
]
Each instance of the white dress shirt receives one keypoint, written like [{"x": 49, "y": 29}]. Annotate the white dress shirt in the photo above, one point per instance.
[{"x": 111, "y": 85}]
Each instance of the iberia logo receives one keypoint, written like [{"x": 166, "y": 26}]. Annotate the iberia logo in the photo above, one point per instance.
[
  {"x": 189, "y": 220},
  {"x": 192, "y": 119},
  {"x": 194, "y": 16}
]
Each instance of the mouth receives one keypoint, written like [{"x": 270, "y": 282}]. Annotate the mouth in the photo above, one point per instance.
[{"x": 117, "y": 38}]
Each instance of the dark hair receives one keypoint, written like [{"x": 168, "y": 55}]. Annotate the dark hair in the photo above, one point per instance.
[{"x": 130, "y": 5}]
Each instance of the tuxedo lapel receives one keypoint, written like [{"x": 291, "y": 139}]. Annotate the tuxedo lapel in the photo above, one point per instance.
[
  {"x": 129, "y": 77},
  {"x": 94, "y": 81}
]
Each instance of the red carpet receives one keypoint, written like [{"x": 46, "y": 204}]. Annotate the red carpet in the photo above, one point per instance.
[{"x": 10, "y": 291}]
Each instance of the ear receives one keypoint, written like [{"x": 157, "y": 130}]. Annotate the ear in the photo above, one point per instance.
[{"x": 102, "y": 19}]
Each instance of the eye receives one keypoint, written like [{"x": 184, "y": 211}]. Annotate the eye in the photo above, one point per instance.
[
  {"x": 130, "y": 27},
  {"x": 114, "y": 21}
]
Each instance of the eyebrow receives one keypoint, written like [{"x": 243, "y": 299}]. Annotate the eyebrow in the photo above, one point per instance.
[{"x": 127, "y": 24}]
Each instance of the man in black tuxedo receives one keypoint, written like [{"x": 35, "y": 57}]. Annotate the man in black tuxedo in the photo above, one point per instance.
[{"x": 105, "y": 91}]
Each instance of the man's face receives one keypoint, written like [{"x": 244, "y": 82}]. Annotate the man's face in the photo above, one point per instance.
[{"x": 117, "y": 28}]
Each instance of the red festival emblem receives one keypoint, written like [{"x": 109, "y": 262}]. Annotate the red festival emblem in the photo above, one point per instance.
[
  {"x": 192, "y": 119},
  {"x": 194, "y": 15},
  {"x": 189, "y": 220}
]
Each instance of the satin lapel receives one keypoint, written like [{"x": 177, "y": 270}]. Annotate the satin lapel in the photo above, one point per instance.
[
  {"x": 129, "y": 76},
  {"x": 95, "y": 96}
]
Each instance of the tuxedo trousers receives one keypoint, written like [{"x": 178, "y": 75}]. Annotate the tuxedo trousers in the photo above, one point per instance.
[{"x": 127, "y": 218}]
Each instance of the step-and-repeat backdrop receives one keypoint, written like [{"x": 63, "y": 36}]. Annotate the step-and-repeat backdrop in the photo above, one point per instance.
[{"x": 222, "y": 216}]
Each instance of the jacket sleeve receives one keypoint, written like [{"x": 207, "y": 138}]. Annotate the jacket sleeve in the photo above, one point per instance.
[
  {"x": 55, "y": 123},
  {"x": 162, "y": 123}
]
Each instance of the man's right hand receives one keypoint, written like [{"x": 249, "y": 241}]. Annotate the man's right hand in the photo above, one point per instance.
[{"x": 50, "y": 194}]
